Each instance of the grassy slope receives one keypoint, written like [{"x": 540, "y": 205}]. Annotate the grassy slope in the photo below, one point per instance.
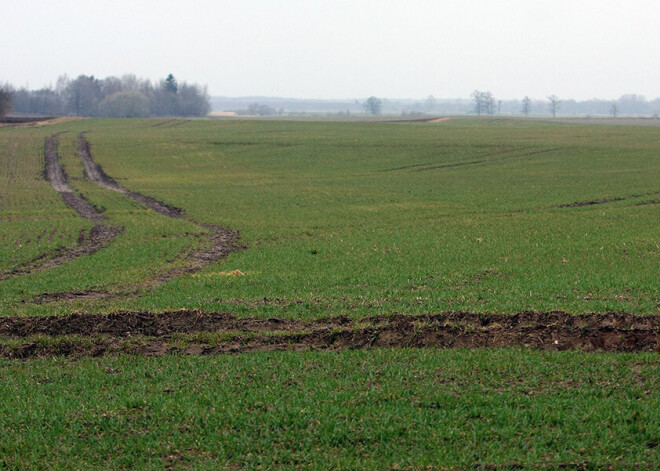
[
  {"x": 329, "y": 228},
  {"x": 336, "y": 225}
]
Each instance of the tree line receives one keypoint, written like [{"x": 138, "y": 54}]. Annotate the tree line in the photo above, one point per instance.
[
  {"x": 125, "y": 97},
  {"x": 630, "y": 105}
]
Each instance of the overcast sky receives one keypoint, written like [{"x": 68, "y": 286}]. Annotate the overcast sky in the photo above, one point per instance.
[{"x": 343, "y": 48}]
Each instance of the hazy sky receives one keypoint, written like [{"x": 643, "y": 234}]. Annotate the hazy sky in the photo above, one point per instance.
[{"x": 343, "y": 48}]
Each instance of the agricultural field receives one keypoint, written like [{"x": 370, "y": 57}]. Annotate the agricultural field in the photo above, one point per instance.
[{"x": 462, "y": 293}]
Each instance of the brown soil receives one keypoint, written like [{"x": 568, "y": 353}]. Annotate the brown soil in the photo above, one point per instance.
[
  {"x": 20, "y": 121},
  {"x": 152, "y": 334}
]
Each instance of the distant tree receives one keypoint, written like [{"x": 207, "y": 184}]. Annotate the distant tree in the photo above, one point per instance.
[
  {"x": 110, "y": 85},
  {"x": 83, "y": 96},
  {"x": 484, "y": 102},
  {"x": 614, "y": 109},
  {"x": 554, "y": 104},
  {"x": 193, "y": 100},
  {"x": 5, "y": 100},
  {"x": 170, "y": 84},
  {"x": 633, "y": 104},
  {"x": 260, "y": 110},
  {"x": 373, "y": 105},
  {"x": 526, "y": 106},
  {"x": 489, "y": 103},
  {"x": 165, "y": 99},
  {"x": 478, "y": 99},
  {"x": 126, "y": 104}
]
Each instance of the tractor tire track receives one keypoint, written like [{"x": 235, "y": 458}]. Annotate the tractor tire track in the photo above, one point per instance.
[
  {"x": 221, "y": 241},
  {"x": 152, "y": 334},
  {"x": 99, "y": 236},
  {"x": 505, "y": 156}
]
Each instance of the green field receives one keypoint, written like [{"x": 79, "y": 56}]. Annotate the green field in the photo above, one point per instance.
[
  {"x": 351, "y": 224},
  {"x": 355, "y": 218}
]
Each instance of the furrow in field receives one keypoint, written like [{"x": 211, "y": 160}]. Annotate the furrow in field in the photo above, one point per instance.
[
  {"x": 155, "y": 334},
  {"x": 579, "y": 204},
  {"x": 484, "y": 159},
  {"x": 100, "y": 235},
  {"x": 221, "y": 241}
]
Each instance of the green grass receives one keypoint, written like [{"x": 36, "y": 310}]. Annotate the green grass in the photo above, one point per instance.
[
  {"x": 364, "y": 218},
  {"x": 351, "y": 410},
  {"x": 339, "y": 218},
  {"x": 33, "y": 217}
]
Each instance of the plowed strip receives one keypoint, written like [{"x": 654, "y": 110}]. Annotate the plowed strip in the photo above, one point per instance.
[{"x": 151, "y": 334}]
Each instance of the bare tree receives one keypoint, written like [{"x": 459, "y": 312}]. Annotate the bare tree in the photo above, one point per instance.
[
  {"x": 554, "y": 104},
  {"x": 5, "y": 101},
  {"x": 526, "y": 106},
  {"x": 478, "y": 99},
  {"x": 484, "y": 102},
  {"x": 614, "y": 109},
  {"x": 489, "y": 103},
  {"x": 373, "y": 105}
]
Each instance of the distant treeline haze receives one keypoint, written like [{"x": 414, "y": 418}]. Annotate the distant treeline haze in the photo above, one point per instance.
[
  {"x": 484, "y": 103},
  {"x": 125, "y": 97}
]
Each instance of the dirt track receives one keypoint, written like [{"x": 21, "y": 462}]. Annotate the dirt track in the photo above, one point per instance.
[
  {"x": 152, "y": 334},
  {"x": 100, "y": 235},
  {"x": 221, "y": 241}
]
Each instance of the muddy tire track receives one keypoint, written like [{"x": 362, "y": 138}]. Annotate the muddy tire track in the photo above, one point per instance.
[
  {"x": 153, "y": 334},
  {"x": 99, "y": 236},
  {"x": 580, "y": 204},
  {"x": 220, "y": 240},
  {"x": 505, "y": 156}
]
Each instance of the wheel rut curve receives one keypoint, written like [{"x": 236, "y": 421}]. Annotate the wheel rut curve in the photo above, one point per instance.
[
  {"x": 98, "y": 237},
  {"x": 221, "y": 241}
]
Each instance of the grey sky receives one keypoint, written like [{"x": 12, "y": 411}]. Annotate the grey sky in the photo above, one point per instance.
[{"x": 343, "y": 48}]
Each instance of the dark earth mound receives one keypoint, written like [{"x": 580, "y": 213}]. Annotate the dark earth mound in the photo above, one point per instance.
[{"x": 154, "y": 334}]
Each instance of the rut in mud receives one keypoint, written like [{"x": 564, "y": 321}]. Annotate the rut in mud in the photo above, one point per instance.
[
  {"x": 155, "y": 334},
  {"x": 99, "y": 236},
  {"x": 221, "y": 241}
]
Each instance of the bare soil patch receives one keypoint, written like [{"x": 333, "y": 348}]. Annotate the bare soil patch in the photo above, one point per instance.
[{"x": 151, "y": 334}]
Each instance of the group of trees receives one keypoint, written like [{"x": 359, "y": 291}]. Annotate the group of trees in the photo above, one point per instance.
[
  {"x": 484, "y": 102},
  {"x": 125, "y": 97},
  {"x": 628, "y": 105},
  {"x": 553, "y": 105}
]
